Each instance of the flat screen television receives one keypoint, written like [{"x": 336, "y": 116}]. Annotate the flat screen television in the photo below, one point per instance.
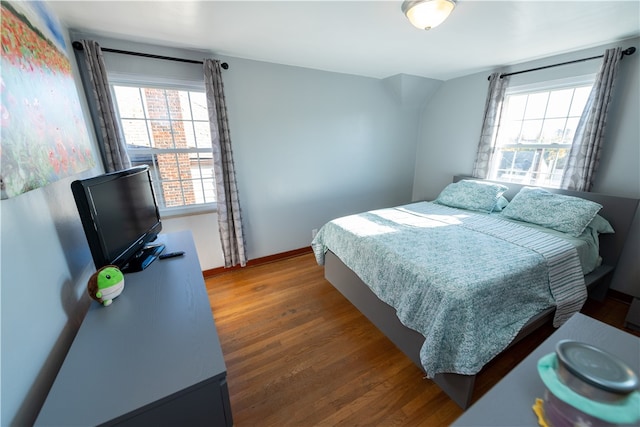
[{"x": 120, "y": 217}]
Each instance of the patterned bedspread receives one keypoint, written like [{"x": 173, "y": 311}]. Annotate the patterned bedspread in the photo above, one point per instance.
[{"x": 467, "y": 282}]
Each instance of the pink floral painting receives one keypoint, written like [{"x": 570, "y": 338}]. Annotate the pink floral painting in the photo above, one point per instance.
[{"x": 43, "y": 134}]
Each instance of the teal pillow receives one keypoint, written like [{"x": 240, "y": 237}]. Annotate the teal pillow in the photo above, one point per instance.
[
  {"x": 473, "y": 195},
  {"x": 500, "y": 204},
  {"x": 601, "y": 225},
  {"x": 559, "y": 212}
]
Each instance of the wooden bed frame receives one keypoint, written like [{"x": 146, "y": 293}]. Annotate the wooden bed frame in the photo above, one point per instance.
[{"x": 619, "y": 211}]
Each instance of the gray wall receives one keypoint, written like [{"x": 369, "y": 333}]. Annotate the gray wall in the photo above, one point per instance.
[
  {"x": 44, "y": 267},
  {"x": 312, "y": 145},
  {"x": 309, "y": 145},
  {"x": 452, "y": 118}
]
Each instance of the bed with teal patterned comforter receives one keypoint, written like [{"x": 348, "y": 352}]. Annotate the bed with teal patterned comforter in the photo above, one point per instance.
[{"x": 467, "y": 282}]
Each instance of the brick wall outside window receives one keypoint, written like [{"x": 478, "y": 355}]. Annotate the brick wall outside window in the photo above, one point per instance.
[{"x": 164, "y": 133}]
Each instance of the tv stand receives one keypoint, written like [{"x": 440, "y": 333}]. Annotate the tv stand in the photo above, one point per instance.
[
  {"x": 143, "y": 258},
  {"x": 152, "y": 358}
]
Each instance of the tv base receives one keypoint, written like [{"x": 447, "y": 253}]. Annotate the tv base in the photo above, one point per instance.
[{"x": 144, "y": 258}]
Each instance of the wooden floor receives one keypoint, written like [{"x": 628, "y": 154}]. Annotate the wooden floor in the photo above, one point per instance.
[{"x": 299, "y": 354}]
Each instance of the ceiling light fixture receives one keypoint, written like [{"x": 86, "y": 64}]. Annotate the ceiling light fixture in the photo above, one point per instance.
[{"x": 427, "y": 14}]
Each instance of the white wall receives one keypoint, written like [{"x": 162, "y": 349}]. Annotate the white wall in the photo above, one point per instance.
[{"x": 452, "y": 118}]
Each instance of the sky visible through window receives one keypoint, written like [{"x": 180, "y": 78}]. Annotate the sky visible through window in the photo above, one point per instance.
[{"x": 535, "y": 135}]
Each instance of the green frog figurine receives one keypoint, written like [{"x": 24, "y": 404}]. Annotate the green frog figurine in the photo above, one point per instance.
[{"x": 106, "y": 284}]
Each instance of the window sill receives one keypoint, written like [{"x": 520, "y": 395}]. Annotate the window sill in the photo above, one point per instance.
[{"x": 188, "y": 210}]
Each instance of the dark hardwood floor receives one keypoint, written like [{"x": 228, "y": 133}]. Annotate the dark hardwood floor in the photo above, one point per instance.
[{"x": 299, "y": 354}]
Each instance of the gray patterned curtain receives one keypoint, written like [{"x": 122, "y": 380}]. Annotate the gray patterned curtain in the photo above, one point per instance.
[
  {"x": 112, "y": 146},
  {"x": 229, "y": 214},
  {"x": 492, "y": 110},
  {"x": 585, "y": 151}
]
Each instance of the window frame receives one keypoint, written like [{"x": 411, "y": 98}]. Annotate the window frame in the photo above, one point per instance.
[
  {"x": 132, "y": 80},
  {"x": 547, "y": 86}
]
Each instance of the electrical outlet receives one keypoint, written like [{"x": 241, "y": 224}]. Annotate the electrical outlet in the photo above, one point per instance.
[{"x": 313, "y": 233}]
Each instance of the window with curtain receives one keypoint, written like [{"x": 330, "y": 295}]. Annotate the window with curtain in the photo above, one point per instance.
[
  {"x": 536, "y": 130},
  {"x": 167, "y": 128}
]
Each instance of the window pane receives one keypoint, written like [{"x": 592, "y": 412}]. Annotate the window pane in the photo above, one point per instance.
[
  {"x": 531, "y": 131},
  {"x": 164, "y": 119},
  {"x": 129, "y": 102},
  {"x": 570, "y": 130},
  {"x": 203, "y": 134},
  {"x": 185, "y": 108},
  {"x": 536, "y": 105},
  {"x": 208, "y": 180},
  {"x": 186, "y": 194},
  {"x": 209, "y": 192},
  {"x": 553, "y": 131},
  {"x": 562, "y": 159},
  {"x": 192, "y": 192},
  {"x": 161, "y": 134},
  {"x": 172, "y": 192},
  {"x": 178, "y": 134},
  {"x": 515, "y": 107},
  {"x": 580, "y": 97},
  {"x": 199, "y": 106},
  {"x": 550, "y": 119},
  {"x": 504, "y": 160},
  {"x": 139, "y": 159},
  {"x": 135, "y": 133},
  {"x": 202, "y": 169},
  {"x": 187, "y": 128},
  {"x": 509, "y": 133},
  {"x": 168, "y": 166},
  {"x": 184, "y": 166},
  {"x": 559, "y": 102},
  {"x": 172, "y": 103},
  {"x": 514, "y": 164},
  {"x": 523, "y": 160},
  {"x": 155, "y": 103}
]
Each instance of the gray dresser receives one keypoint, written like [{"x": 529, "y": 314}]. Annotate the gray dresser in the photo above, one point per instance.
[
  {"x": 509, "y": 403},
  {"x": 151, "y": 358}
]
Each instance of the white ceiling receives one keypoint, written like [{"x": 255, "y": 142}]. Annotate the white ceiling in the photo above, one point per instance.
[{"x": 366, "y": 37}]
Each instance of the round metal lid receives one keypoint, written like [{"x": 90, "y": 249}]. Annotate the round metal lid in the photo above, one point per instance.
[{"x": 596, "y": 367}]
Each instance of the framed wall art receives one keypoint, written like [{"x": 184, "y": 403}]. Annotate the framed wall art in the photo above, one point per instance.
[{"x": 43, "y": 133}]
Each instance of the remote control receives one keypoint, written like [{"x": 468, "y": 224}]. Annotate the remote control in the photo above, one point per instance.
[{"x": 171, "y": 254}]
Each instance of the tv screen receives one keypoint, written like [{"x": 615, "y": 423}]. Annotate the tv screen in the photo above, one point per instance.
[{"x": 120, "y": 218}]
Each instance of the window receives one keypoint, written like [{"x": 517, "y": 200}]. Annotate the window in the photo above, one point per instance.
[
  {"x": 536, "y": 131},
  {"x": 168, "y": 129}
]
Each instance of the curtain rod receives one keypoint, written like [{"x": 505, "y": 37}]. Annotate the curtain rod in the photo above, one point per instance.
[
  {"x": 628, "y": 51},
  {"x": 78, "y": 45}
]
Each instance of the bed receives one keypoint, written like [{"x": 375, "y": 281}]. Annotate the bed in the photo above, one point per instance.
[{"x": 478, "y": 280}]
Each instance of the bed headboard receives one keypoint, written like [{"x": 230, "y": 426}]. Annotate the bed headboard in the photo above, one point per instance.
[{"x": 619, "y": 211}]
